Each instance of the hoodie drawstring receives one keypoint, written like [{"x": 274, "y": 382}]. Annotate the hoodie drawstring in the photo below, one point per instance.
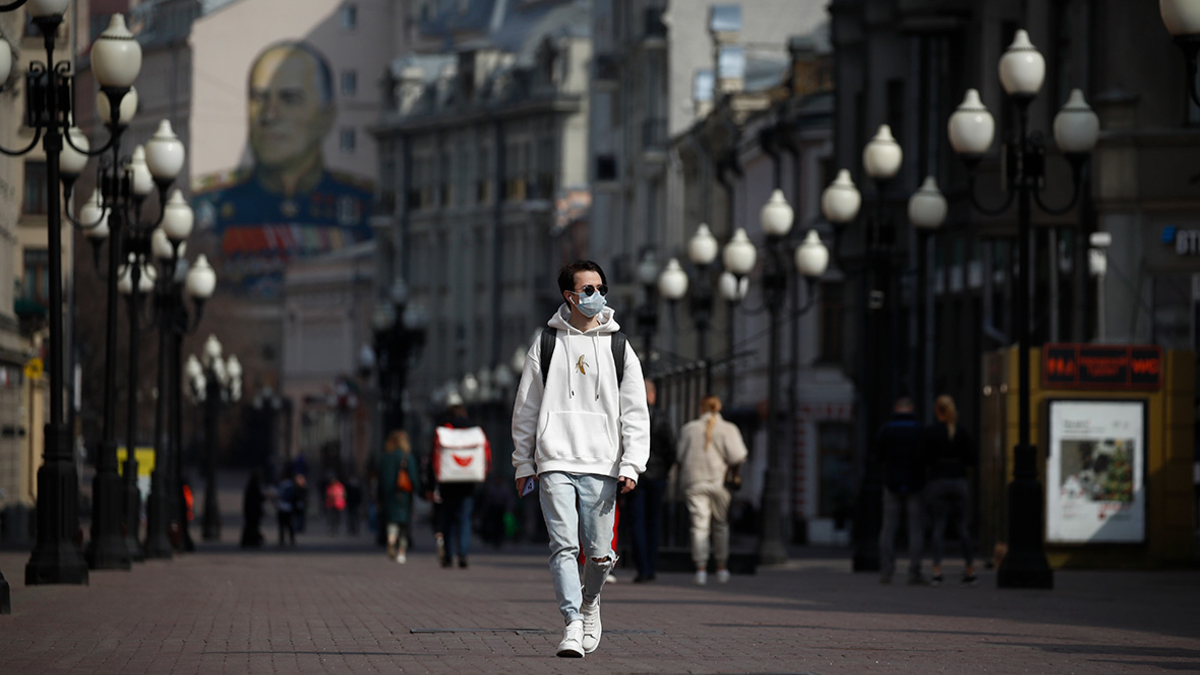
[{"x": 596, "y": 350}]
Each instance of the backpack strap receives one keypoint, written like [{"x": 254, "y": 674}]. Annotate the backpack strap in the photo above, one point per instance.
[
  {"x": 618, "y": 350},
  {"x": 549, "y": 338}
]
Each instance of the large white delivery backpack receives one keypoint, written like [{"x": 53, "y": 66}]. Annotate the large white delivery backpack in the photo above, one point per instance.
[{"x": 461, "y": 455}]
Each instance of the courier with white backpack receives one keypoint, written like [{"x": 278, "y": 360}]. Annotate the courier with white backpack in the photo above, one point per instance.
[{"x": 462, "y": 459}]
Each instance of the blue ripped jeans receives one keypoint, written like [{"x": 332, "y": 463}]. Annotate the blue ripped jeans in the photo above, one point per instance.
[{"x": 578, "y": 507}]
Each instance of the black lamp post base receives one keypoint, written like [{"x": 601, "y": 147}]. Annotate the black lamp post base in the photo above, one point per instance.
[
  {"x": 1025, "y": 564},
  {"x": 865, "y": 528},
  {"x": 133, "y": 513},
  {"x": 106, "y": 550},
  {"x": 56, "y": 557},
  {"x": 5, "y": 601},
  {"x": 1025, "y": 569},
  {"x": 866, "y": 558},
  {"x": 158, "y": 536}
]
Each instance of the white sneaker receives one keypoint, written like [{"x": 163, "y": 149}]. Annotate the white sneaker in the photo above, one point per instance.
[
  {"x": 610, "y": 579},
  {"x": 401, "y": 558},
  {"x": 701, "y": 577},
  {"x": 591, "y": 625},
  {"x": 571, "y": 646},
  {"x": 722, "y": 576}
]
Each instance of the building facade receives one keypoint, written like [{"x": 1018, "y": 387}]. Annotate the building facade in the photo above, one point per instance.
[{"x": 483, "y": 175}]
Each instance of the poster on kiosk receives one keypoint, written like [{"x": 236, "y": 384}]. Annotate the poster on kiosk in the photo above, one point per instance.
[{"x": 1095, "y": 472}]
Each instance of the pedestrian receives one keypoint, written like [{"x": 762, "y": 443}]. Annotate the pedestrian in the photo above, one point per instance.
[
  {"x": 645, "y": 503},
  {"x": 399, "y": 480},
  {"x": 335, "y": 504},
  {"x": 581, "y": 430},
  {"x": 300, "y": 503},
  {"x": 461, "y": 461},
  {"x": 497, "y": 504},
  {"x": 710, "y": 448},
  {"x": 949, "y": 453},
  {"x": 252, "y": 512},
  {"x": 354, "y": 496},
  {"x": 285, "y": 504},
  {"x": 897, "y": 454}
]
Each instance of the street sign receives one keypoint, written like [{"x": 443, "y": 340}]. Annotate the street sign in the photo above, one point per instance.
[{"x": 33, "y": 369}]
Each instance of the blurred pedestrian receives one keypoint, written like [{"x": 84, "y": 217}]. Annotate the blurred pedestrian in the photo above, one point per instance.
[
  {"x": 335, "y": 504},
  {"x": 399, "y": 480},
  {"x": 645, "y": 503},
  {"x": 497, "y": 502},
  {"x": 580, "y": 430},
  {"x": 252, "y": 512},
  {"x": 354, "y": 497},
  {"x": 285, "y": 505},
  {"x": 709, "y": 448},
  {"x": 300, "y": 503},
  {"x": 460, "y": 471},
  {"x": 897, "y": 451},
  {"x": 949, "y": 453}
]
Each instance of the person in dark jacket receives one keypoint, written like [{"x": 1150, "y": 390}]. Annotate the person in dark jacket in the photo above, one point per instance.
[
  {"x": 252, "y": 512},
  {"x": 645, "y": 505},
  {"x": 898, "y": 451},
  {"x": 949, "y": 453}
]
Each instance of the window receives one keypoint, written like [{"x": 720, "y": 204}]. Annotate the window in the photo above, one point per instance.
[
  {"x": 349, "y": 16},
  {"x": 349, "y": 82},
  {"x": 36, "y": 284},
  {"x": 36, "y": 196},
  {"x": 348, "y": 141}
]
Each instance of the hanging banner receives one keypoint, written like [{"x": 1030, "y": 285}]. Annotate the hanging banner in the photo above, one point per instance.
[{"x": 1095, "y": 481}]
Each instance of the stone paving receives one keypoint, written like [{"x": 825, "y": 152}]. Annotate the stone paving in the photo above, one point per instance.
[{"x": 337, "y": 605}]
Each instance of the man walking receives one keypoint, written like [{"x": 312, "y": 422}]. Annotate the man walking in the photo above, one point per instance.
[
  {"x": 898, "y": 452},
  {"x": 646, "y": 502},
  {"x": 581, "y": 429}
]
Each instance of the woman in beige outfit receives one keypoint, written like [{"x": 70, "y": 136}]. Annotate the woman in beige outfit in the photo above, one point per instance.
[{"x": 708, "y": 446}]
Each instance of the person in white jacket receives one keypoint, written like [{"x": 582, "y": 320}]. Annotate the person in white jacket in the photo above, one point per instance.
[
  {"x": 708, "y": 447},
  {"x": 582, "y": 437}
]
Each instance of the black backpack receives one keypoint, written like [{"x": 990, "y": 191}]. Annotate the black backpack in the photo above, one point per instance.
[{"x": 549, "y": 336}]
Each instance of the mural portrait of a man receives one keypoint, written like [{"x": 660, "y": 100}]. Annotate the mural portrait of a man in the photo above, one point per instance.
[{"x": 288, "y": 203}]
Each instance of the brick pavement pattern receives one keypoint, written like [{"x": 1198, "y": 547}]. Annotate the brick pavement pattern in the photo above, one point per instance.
[{"x": 339, "y": 606}]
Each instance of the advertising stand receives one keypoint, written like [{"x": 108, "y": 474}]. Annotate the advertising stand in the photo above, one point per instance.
[{"x": 1114, "y": 431}]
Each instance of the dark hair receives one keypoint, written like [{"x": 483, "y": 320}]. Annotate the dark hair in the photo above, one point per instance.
[{"x": 566, "y": 275}]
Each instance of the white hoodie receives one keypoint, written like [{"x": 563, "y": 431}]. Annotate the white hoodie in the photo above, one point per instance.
[{"x": 580, "y": 422}]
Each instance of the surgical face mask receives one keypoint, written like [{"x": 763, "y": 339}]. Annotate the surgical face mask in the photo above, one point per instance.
[{"x": 590, "y": 305}]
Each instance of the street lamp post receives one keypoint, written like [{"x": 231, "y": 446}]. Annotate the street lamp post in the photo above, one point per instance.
[
  {"x": 840, "y": 203},
  {"x": 213, "y": 382},
  {"x": 56, "y": 558},
  {"x": 647, "y": 274},
  {"x": 673, "y": 284},
  {"x": 1076, "y": 129},
  {"x": 811, "y": 259},
  {"x": 49, "y": 86},
  {"x": 172, "y": 317},
  {"x": 927, "y": 209},
  {"x": 399, "y": 338},
  {"x": 1182, "y": 18}
]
